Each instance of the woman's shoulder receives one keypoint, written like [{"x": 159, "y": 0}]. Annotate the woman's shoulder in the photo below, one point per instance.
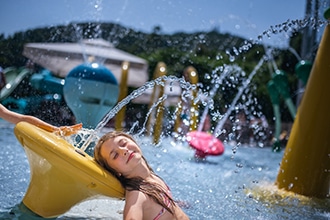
[
  {"x": 134, "y": 204},
  {"x": 135, "y": 195},
  {"x": 139, "y": 199}
]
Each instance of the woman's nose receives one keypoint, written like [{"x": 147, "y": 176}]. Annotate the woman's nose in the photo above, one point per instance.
[{"x": 124, "y": 151}]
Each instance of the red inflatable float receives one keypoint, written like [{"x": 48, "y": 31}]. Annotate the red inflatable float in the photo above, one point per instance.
[{"x": 205, "y": 144}]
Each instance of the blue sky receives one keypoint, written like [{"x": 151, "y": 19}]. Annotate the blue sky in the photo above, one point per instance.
[{"x": 247, "y": 18}]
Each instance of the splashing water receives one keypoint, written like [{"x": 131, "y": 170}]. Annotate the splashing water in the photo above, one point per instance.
[
  {"x": 293, "y": 26},
  {"x": 217, "y": 82},
  {"x": 294, "y": 52},
  {"x": 219, "y": 126},
  {"x": 88, "y": 138},
  {"x": 92, "y": 136},
  {"x": 95, "y": 31}
]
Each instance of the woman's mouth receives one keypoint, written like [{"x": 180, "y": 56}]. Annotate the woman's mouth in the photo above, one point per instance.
[{"x": 130, "y": 156}]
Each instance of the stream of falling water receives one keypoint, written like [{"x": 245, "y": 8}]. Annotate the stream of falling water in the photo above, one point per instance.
[
  {"x": 219, "y": 126},
  {"x": 149, "y": 85}
]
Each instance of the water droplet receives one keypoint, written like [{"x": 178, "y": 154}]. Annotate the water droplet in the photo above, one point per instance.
[{"x": 239, "y": 165}]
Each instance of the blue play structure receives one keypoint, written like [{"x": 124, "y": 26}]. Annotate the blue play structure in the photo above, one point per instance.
[{"x": 90, "y": 91}]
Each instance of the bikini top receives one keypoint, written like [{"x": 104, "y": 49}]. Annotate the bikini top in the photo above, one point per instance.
[{"x": 167, "y": 202}]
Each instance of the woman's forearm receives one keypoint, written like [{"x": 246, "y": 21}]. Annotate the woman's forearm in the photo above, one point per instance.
[{"x": 15, "y": 118}]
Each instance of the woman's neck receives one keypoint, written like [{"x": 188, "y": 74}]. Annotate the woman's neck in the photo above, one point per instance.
[{"x": 141, "y": 171}]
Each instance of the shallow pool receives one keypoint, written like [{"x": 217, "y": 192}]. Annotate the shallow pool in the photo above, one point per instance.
[{"x": 222, "y": 187}]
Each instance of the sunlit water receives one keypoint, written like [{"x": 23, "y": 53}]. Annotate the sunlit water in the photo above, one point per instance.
[{"x": 222, "y": 187}]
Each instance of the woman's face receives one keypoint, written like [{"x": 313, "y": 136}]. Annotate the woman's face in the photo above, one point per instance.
[{"x": 122, "y": 154}]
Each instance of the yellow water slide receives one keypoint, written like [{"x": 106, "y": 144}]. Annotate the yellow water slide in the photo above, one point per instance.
[{"x": 61, "y": 175}]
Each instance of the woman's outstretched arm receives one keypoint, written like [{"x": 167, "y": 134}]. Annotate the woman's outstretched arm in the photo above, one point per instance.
[{"x": 15, "y": 118}]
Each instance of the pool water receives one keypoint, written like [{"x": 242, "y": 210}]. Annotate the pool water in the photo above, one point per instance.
[{"x": 222, "y": 187}]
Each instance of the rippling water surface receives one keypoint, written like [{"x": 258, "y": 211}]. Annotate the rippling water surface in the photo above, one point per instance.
[{"x": 223, "y": 187}]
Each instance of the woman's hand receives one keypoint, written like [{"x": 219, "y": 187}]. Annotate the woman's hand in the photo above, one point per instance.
[{"x": 68, "y": 130}]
